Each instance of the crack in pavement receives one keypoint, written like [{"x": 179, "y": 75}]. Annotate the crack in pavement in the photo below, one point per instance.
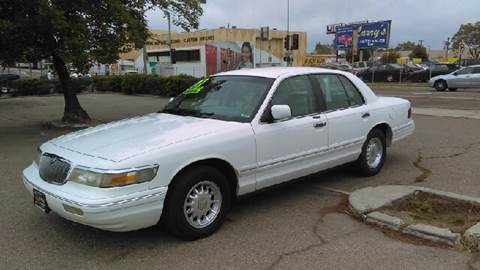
[
  {"x": 425, "y": 172},
  {"x": 321, "y": 240}
]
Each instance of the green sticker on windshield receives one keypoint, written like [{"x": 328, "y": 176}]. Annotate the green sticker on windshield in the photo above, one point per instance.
[{"x": 197, "y": 87}]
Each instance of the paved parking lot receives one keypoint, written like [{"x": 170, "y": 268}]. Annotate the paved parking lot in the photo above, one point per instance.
[{"x": 299, "y": 226}]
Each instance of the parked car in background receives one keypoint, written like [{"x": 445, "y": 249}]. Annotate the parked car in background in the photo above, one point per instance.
[
  {"x": 5, "y": 80},
  {"x": 432, "y": 71},
  {"x": 337, "y": 66},
  {"x": 383, "y": 73},
  {"x": 467, "y": 77},
  {"x": 234, "y": 133},
  {"x": 469, "y": 62},
  {"x": 359, "y": 66},
  {"x": 411, "y": 67}
]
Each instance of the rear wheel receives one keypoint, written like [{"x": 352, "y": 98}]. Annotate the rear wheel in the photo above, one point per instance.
[
  {"x": 440, "y": 85},
  {"x": 197, "y": 203},
  {"x": 374, "y": 152}
]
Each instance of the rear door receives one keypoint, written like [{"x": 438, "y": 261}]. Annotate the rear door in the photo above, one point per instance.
[
  {"x": 476, "y": 77},
  {"x": 348, "y": 118}
]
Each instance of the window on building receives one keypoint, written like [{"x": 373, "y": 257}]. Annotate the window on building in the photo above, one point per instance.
[{"x": 180, "y": 56}]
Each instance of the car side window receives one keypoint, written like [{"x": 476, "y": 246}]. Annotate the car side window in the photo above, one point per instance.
[
  {"x": 296, "y": 92},
  {"x": 465, "y": 71},
  {"x": 333, "y": 91},
  {"x": 354, "y": 96},
  {"x": 476, "y": 70}
]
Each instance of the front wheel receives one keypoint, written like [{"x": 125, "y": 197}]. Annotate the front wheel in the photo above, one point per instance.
[
  {"x": 374, "y": 152},
  {"x": 197, "y": 203},
  {"x": 440, "y": 85}
]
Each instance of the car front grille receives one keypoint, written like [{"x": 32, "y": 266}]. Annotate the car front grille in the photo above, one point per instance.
[{"x": 53, "y": 169}]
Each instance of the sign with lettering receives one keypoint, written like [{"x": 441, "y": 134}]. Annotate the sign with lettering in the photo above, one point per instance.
[
  {"x": 164, "y": 41},
  {"x": 370, "y": 35},
  {"x": 374, "y": 35}
]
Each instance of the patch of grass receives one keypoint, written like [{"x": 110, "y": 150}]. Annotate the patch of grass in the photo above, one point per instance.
[{"x": 435, "y": 210}]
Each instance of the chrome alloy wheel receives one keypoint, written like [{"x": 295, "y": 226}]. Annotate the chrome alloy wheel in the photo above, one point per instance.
[
  {"x": 202, "y": 204},
  {"x": 374, "y": 152}
]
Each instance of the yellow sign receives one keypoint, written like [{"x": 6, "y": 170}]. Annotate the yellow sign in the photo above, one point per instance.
[
  {"x": 448, "y": 60},
  {"x": 314, "y": 60}
]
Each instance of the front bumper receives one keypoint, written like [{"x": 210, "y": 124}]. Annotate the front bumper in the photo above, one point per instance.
[{"x": 125, "y": 212}]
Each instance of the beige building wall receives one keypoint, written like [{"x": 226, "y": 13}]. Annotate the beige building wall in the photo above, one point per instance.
[{"x": 159, "y": 41}]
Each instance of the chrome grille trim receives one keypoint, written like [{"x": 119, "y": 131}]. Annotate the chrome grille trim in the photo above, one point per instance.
[{"x": 53, "y": 169}]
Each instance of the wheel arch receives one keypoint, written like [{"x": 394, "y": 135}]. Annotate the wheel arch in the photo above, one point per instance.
[
  {"x": 387, "y": 130},
  {"x": 222, "y": 165}
]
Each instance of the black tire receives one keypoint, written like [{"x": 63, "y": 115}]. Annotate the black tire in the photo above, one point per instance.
[
  {"x": 440, "y": 85},
  {"x": 362, "y": 165},
  {"x": 174, "y": 218},
  {"x": 452, "y": 89}
]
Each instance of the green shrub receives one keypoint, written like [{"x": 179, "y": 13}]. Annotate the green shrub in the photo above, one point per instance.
[
  {"x": 128, "y": 84},
  {"x": 30, "y": 87},
  {"x": 144, "y": 84}
]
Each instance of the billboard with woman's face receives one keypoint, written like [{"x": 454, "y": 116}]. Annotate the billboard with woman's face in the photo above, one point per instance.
[{"x": 224, "y": 56}]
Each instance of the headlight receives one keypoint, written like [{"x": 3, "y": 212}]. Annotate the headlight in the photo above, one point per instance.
[{"x": 97, "y": 179}]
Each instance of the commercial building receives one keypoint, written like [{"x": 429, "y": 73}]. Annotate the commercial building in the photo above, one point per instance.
[{"x": 207, "y": 52}]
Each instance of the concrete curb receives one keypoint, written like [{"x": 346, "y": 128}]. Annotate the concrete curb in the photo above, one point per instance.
[
  {"x": 433, "y": 233},
  {"x": 384, "y": 220},
  {"x": 364, "y": 202}
]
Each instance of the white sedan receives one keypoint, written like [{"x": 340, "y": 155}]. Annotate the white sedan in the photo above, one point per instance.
[{"x": 228, "y": 135}]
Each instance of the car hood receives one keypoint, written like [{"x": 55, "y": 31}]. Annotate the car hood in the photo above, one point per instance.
[
  {"x": 127, "y": 138},
  {"x": 443, "y": 76}
]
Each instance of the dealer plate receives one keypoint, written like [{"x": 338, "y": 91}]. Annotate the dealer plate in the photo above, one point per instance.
[{"x": 40, "y": 200}]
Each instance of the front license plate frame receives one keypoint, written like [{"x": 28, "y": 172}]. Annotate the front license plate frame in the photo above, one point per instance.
[{"x": 40, "y": 201}]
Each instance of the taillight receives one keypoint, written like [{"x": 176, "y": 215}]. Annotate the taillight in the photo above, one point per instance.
[{"x": 409, "y": 112}]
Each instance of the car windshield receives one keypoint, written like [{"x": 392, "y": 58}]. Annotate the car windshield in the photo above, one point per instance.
[{"x": 230, "y": 98}]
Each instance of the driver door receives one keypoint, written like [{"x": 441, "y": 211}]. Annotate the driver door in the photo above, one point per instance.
[{"x": 293, "y": 147}]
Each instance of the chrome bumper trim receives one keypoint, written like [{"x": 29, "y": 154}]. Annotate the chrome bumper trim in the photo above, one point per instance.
[{"x": 161, "y": 192}]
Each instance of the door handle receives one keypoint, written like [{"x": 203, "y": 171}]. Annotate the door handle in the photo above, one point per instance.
[
  {"x": 366, "y": 115},
  {"x": 319, "y": 124}
]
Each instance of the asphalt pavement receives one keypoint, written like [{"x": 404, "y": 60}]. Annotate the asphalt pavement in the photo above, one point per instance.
[
  {"x": 462, "y": 99},
  {"x": 303, "y": 225}
]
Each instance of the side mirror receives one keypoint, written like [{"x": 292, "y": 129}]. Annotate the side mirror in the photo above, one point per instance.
[{"x": 281, "y": 112}]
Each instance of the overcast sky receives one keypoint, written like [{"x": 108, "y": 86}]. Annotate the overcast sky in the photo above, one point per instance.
[{"x": 430, "y": 20}]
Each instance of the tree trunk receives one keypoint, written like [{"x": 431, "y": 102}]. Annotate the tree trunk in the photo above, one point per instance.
[{"x": 73, "y": 113}]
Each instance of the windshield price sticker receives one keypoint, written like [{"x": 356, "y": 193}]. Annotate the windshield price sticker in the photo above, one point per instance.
[{"x": 197, "y": 87}]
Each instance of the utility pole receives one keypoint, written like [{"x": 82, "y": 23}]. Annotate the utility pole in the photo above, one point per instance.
[
  {"x": 144, "y": 52},
  {"x": 447, "y": 44},
  {"x": 169, "y": 37},
  {"x": 289, "y": 51},
  {"x": 421, "y": 42}
]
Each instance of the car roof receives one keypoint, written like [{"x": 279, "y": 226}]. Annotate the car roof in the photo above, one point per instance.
[{"x": 276, "y": 72}]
